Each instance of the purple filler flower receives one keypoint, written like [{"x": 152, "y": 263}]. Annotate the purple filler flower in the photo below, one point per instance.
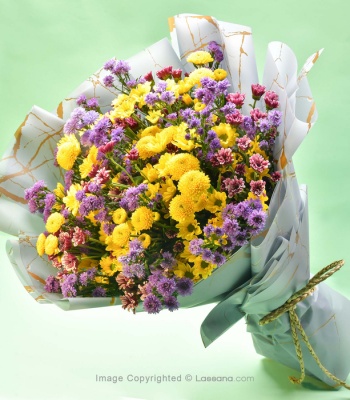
[{"x": 152, "y": 304}]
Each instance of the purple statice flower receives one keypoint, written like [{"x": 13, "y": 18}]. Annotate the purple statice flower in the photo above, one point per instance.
[
  {"x": 108, "y": 228},
  {"x": 196, "y": 246},
  {"x": 264, "y": 125},
  {"x": 108, "y": 80},
  {"x": 210, "y": 84},
  {"x": 168, "y": 97},
  {"x": 215, "y": 49},
  {"x": 81, "y": 100},
  {"x": 85, "y": 138},
  {"x": 274, "y": 117},
  {"x": 102, "y": 216},
  {"x": 90, "y": 117},
  {"x": 264, "y": 145},
  {"x": 206, "y": 113},
  {"x": 117, "y": 134},
  {"x": 80, "y": 195},
  {"x": 52, "y": 285},
  {"x": 121, "y": 67},
  {"x": 68, "y": 179},
  {"x": 166, "y": 286},
  {"x": 131, "y": 83},
  {"x": 99, "y": 292},
  {"x": 68, "y": 285},
  {"x": 228, "y": 108},
  {"x": 249, "y": 126},
  {"x": 110, "y": 65},
  {"x": 171, "y": 303},
  {"x": 152, "y": 304},
  {"x": 207, "y": 255},
  {"x": 230, "y": 226},
  {"x": 211, "y": 135},
  {"x": 74, "y": 123},
  {"x": 151, "y": 98},
  {"x": 184, "y": 286},
  {"x": 187, "y": 114},
  {"x": 94, "y": 187},
  {"x": 136, "y": 246},
  {"x": 257, "y": 219},
  {"x": 168, "y": 260},
  {"x": 50, "y": 200},
  {"x": 92, "y": 103},
  {"x": 160, "y": 87},
  {"x": 90, "y": 203},
  {"x": 205, "y": 96},
  {"x": 131, "y": 196},
  {"x": 193, "y": 122},
  {"x": 215, "y": 144},
  {"x": 218, "y": 259},
  {"x": 223, "y": 86},
  {"x": 172, "y": 116},
  {"x": 83, "y": 278},
  {"x": 34, "y": 190},
  {"x": 132, "y": 270}
]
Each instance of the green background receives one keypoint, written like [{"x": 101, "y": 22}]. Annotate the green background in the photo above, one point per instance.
[{"x": 47, "y": 48}]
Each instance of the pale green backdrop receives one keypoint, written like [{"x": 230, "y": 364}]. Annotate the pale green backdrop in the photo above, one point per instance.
[{"x": 47, "y": 48}]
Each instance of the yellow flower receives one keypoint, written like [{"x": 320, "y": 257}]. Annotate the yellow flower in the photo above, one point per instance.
[
  {"x": 119, "y": 216},
  {"x": 87, "y": 263},
  {"x": 199, "y": 106},
  {"x": 59, "y": 191},
  {"x": 220, "y": 74},
  {"x": 148, "y": 146},
  {"x": 199, "y": 73},
  {"x": 152, "y": 190},
  {"x": 181, "y": 208},
  {"x": 102, "y": 279},
  {"x": 162, "y": 166},
  {"x": 68, "y": 151},
  {"x": 88, "y": 162},
  {"x": 201, "y": 268},
  {"x": 179, "y": 139},
  {"x": 216, "y": 221},
  {"x": 150, "y": 173},
  {"x": 194, "y": 183},
  {"x": 40, "y": 244},
  {"x": 167, "y": 190},
  {"x": 139, "y": 93},
  {"x": 108, "y": 266},
  {"x": 166, "y": 135},
  {"x": 199, "y": 58},
  {"x": 182, "y": 163},
  {"x": 188, "y": 229},
  {"x": 142, "y": 219},
  {"x": 150, "y": 131},
  {"x": 121, "y": 234},
  {"x": 54, "y": 222},
  {"x": 124, "y": 106},
  {"x": 153, "y": 116},
  {"x": 201, "y": 202},
  {"x": 51, "y": 245},
  {"x": 187, "y": 99},
  {"x": 145, "y": 240},
  {"x": 186, "y": 254},
  {"x": 70, "y": 200},
  {"x": 217, "y": 201},
  {"x": 226, "y": 134},
  {"x": 183, "y": 270}
]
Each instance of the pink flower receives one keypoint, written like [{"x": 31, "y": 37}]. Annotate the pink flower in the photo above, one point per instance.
[
  {"x": 257, "y": 114},
  {"x": 55, "y": 261},
  {"x": 234, "y": 186},
  {"x": 236, "y": 118},
  {"x": 129, "y": 301},
  {"x": 69, "y": 262},
  {"x": 258, "y": 91},
  {"x": 258, "y": 162},
  {"x": 133, "y": 154},
  {"x": 271, "y": 100},
  {"x": 78, "y": 236},
  {"x": 243, "y": 143},
  {"x": 240, "y": 169},
  {"x": 222, "y": 157},
  {"x": 107, "y": 147},
  {"x": 65, "y": 241},
  {"x": 101, "y": 176},
  {"x": 149, "y": 76},
  {"x": 165, "y": 73},
  {"x": 236, "y": 98},
  {"x": 276, "y": 176},
  {"x": 177, "y": 74},
  {"x": 257, "y": 187},
  {"x": 131, "y": 122}
]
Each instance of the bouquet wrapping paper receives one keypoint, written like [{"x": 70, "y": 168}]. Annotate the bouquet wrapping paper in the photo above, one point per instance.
[{"x": 259, "y": 277}]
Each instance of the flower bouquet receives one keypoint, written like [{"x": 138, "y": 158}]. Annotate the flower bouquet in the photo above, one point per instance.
[{"x": 167, "y": 181}]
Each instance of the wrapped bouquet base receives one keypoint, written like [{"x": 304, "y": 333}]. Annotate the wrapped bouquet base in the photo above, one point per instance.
[{"x": 262, "y": 275}]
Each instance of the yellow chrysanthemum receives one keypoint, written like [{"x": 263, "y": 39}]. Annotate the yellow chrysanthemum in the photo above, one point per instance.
[
  {"x": 163, "y": 162},
  {"x": 201, "y": 202},
  {"x": 68, "y": 151},
  {"x": 124, "y": 106},
  {"x": 220, "y": 74},
  {"x": 121, "y": 234},
  {"x": 139, "y": 93},
  {"x": 188, "y": 229},
  {"x": 165, "y": 136},
  {"x": 153, "y": 116},
  {"x": 187, "y": 99},
  {"x": 149, "y": 146},
  {"x": 87, "y": 263},
  {"x": 181, "y": 208},
  {"x": 226, "y": 134},
  {"x": 108, "y": 266},
  {"x": 40, "y": 244},
  {"x": 202, "y": 269},
  {"x": 183, "y": 270},
  {"x": 54, "y": 222},
  {"x": 216, "y": 201},
  {"x": 119, "y": 216},
  {"x": 150, "y": 131},
  {"x": 179, "y": 138},
  {"x": 59, "y": 191},
  {"x": 199, "y": 73},
  {"x": 145, "y": 240},
  {"x": 150, "y": 173},
  {"x": 51, "y": 245},
  {"x": 86, "y": 166},
  {"x": 70, "y": 200},
  {"x": 185, "y": 86},
  {"x": 152, "y": 190},
  {"x": 167, "y": 190},
  {"x": 142, "y": 219},
  {"x": 182, "y": 163},
  {"x": 200, "y": 58},
  {"x": 194, "y": 183}
]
